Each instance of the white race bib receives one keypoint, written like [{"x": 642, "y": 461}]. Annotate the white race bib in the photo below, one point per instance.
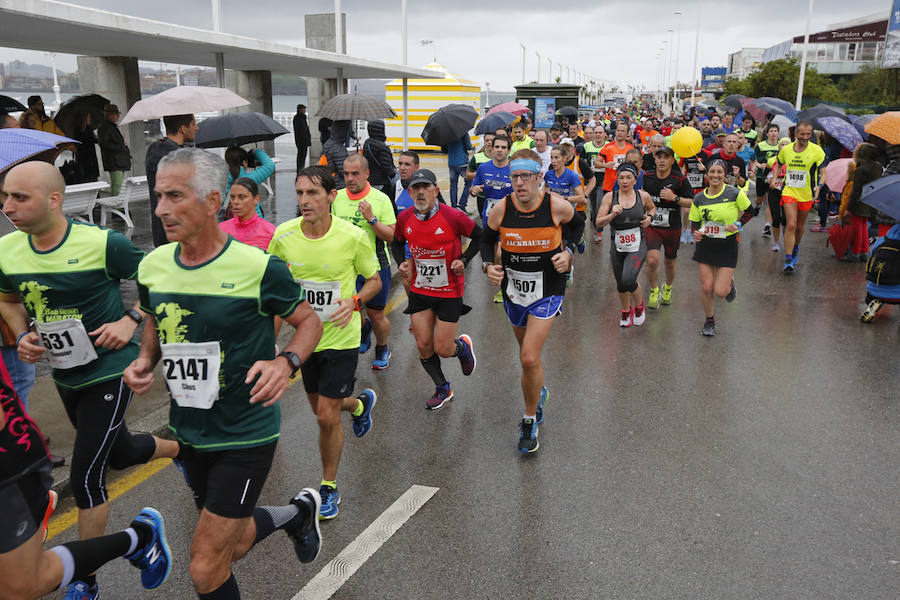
[
  {"x": 192, "y": 373},
  {"x": 67, "y": 342},
  {"x": 795, "y": 179},
  {"x": 618, "y": 160},
  {"x": 524, "y": 288},
  {"x": 695, "y": 180},
  {"x": 714, "y": 229},
  {"x": 322, "y": 296},
  {"x": 628, "y": 240},
  {"x": 489, "y": 206},
  {"x": 661, "y": 217},
  {"x": 431, "y": 273}
]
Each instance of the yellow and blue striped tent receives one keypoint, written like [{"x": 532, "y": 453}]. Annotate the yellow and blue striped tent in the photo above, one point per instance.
[{"x": 425, "y": 96}]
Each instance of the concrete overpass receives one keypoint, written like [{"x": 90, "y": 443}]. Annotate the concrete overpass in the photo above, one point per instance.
[{"x": 110, "y": 45}]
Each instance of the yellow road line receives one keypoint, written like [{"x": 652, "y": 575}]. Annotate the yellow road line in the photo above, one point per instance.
[{"x": 62, "y": 522}]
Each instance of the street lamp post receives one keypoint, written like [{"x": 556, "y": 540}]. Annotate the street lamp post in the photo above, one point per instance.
[
  {"x": 523, "y": 62},
  {"x": 677, "y": 52},
  {"x": 696, "y": 50},
  {"x": 403, "y": 37},
  {"x": 539, "y": 66},
  {"x": 803, "y": 58}
]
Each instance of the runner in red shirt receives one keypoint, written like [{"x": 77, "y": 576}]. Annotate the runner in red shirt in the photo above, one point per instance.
[{"x": 436, "y": 268}]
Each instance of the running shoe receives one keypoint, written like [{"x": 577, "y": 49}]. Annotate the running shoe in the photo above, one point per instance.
[
  {"x": 638, "y": 315},
  {"x": 666, "y": 297},
  {"x": 528, "y": 434},
  {"x": 627, "y": 318},
  {"x": 442, "y": 394},
  {"x": 570, "y": 276},
  {"x": 52, "y": 499},
  {"x": 365, "y": 341},
  {"x": 179, "y": 464},
  {"x": 582, "y": 246},
  {"x": 498, "y": 297},
  {"x": 818, "y": 229},
  {"x": 330, "y": 502},
  {"x": 598, "y": 237},
  {"x": 467, "y": 356},
  {"x": 363, "y": 423},
  {"x": 732, "y": 293},
  {"x": 795, "y": 254},
  {"x": 303, "y": 529},
  {"x": 154, "y": 558},
  {"x": 684, "y": 237},
  {"x": 776, "y": 247},
  {"x": 850, "y": 257},
  {"x": 869, "y": 315},
  {"x": 709, "y": 328},
  {"x": 653, "y": 299},
  {"x": 382, "y": 358},
  {"x": 788, "y": 266},
  {"x": 542, "y": 400},
  {"x": 767, "y": 229},
  {"x": 79, "y": 590}
]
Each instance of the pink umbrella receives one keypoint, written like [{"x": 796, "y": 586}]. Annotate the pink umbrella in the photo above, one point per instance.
[
  {"x": 836, "y": 174},
  {"x": 758, "y": 113},
  {"x": 510, "y": 107}
]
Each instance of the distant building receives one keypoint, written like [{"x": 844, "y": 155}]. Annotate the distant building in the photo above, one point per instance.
[
  {"x": 842, "y": 49},
  {"x": 744, "y": 61},
  {"x": 712, "y": 79}
]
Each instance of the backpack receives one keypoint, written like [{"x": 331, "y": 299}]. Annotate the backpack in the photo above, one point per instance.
[{"x": 883, "y": 266}]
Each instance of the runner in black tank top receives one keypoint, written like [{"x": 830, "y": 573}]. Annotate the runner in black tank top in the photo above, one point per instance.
[
  {"x": 628, "y": 249},
  {"x": 537, "y": 234}
]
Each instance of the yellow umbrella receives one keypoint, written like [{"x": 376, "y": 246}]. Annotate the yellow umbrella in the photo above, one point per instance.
[{"x": 886, "y": 126}]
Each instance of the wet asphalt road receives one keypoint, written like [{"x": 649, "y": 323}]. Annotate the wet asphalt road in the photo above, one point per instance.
[{"x": 757, "y": 464}]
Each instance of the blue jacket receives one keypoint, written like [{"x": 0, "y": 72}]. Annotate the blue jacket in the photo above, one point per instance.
[
  {"x": 265, "y": 170},
  {"x": 458, "y": 151}
]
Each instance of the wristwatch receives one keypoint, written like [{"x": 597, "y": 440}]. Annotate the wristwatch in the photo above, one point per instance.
[
  {"x": 357, "y": 303},
  {"x": 293, "y": 360},
  {"x": 373, "y": 221},
  {"x": 134, "y": 315}
]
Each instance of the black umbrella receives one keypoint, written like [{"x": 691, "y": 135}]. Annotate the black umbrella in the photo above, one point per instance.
[
  {"x": 448, "y": 124},
  {"x": 568, "y": 111},
  {"x": 822, "y": 110},
  {"x": 237, "y": 129},
  {"x": 72, "y": 112},
  {"x": 734, "y": 101},
  {"x": 11, "y": 105},
  {"x": 494, "y": 121}
]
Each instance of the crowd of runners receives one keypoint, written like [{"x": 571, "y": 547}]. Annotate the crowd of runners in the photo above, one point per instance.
[{"x": 325, "y": 278}]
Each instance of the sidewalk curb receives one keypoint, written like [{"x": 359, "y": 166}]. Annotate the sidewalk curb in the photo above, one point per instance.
[{"x": 155, "y": 422}]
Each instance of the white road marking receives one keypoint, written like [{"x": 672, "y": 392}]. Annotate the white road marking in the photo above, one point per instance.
[{"x": 344, "y": 565}]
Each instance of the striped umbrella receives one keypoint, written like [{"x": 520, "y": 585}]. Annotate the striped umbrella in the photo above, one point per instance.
[
  {"x": 886, "y": 126},
  {"x": 356, "y": 106}
]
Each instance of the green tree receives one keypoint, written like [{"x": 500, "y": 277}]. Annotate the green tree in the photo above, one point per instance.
[
  {"x": 778, "y": 79},
  {"x": 872, "y": 85}
]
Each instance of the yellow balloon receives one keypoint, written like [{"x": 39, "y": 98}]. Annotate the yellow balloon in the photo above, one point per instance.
[{"x": 687, "y": 142}]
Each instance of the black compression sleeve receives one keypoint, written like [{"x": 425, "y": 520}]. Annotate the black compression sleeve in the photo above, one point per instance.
[
  {"x": 474, "y": 245},
  {"x": 574, "y": 229},
  {"x": 746, "y": 216},
  {"x": 398, "y": 250},
  {"x": 489, "y": 240}
]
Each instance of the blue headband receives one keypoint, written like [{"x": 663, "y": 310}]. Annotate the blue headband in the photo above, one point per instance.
[{"x": 524, "y": 164}]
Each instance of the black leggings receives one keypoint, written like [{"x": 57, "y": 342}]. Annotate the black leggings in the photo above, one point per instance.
[
  {"x": 627, "y": 266},
  {"x": 101, "y": 438},
  {"x": 596, "y": 196},
  {"x": 773, "y": 197}
]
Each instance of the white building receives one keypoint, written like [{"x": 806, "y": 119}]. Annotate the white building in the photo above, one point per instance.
[
  {"x": 744, "y": 61},
  {"x": 842, "y": 49}
]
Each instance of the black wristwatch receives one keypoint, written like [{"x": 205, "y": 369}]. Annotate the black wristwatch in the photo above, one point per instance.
[
  {"x": 293, "y": 360},
  {"x": 135, "y": 315}
]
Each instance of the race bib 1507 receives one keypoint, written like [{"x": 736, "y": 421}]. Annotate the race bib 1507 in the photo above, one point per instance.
[{"x": 524, "y": 287}]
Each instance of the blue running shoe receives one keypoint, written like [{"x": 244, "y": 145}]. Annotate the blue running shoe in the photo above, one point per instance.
[
  {"x": 528, "y": 432},
  {"x": 154, "y": 558},
  {"x": 79, "y": 590},
  {"x": 789, "y": 266},
  {"x": 331, "y": 500},
  {"x": 582, "y": 246},
  {"x": 442, "y": 394},
  {"x": 303, "y": 529},
  {"x": 545, "y": 395},
  {"x": 363, "y": 423},
  {"x": 794, "y": 259},
  {"x": 365, "y": 340},
  {"x": 382, "y": 358},
  {"x": 467, "y": 356}
]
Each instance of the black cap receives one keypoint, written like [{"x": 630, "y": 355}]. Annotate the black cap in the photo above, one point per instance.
[
  {"x": 665, "y": 150},
  {"x": 422, "y": 176},
  {"x": 557, "y": 125}
]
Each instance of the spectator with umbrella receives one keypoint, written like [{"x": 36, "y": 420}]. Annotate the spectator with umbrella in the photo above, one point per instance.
[
  {"x": 863, "y": 170},
  {"x": 239, "y": 162},
  {"x": 457, "y": 160},
  {"x": 335, "y": 151},
  {"x": 44, "y": 122},
  {"x": 302, "y": 136},
  {"x": 87, "y": 169},
  {"x": 381, "y": 160},
  {"x": 113, "y": 150},
  {"x": 180, "y": 129}
]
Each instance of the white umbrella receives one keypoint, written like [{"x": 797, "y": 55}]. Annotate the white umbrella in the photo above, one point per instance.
[{"x": 183, "y": 100}]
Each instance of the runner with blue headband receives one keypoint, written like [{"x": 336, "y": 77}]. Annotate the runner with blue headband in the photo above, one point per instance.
[{"x": 536, "y": 231}]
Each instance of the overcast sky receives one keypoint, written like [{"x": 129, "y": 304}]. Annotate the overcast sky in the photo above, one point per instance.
[{"x": 614, "y": 39}]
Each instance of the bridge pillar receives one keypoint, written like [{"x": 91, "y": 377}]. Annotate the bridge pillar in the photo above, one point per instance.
[
  {"x": 320, "y": 36},
  {"x": 117, "y": 78},
  {"x": 255, "y": 86}
]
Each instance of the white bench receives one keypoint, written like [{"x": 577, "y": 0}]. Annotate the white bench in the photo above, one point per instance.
[
  {"x": 81, "y": 198},
  {"x": 132, "y": 189}
]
